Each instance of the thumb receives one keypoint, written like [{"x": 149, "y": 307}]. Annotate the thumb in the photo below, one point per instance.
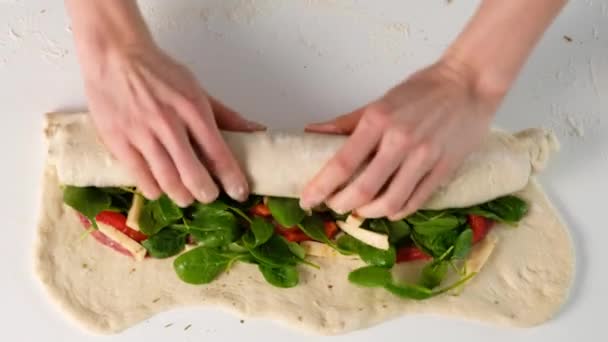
[
  {"x": 230, "y": 120},
  {"x": 343, "y": 124}
]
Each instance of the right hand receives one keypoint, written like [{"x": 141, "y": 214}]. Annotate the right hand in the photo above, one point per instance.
[{"x": 155, "y": 118}]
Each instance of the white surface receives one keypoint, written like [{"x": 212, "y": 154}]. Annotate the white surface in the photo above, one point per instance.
[{"x": 287, "y": 63}]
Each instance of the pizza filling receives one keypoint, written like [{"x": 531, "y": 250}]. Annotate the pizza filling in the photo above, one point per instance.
[{"x": 278, "y": 236}]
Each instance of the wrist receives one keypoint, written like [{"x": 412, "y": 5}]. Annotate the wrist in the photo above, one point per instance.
[
  {"x": 105, "y": 29},
  {"x": 485, "y": 82}
]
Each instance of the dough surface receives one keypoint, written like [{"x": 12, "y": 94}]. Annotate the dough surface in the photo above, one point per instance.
[
  {"x": 524, "y": 282},
  {"x": 281, "y": 164}
]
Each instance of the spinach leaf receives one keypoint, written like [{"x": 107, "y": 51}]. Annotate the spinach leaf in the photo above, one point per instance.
[
  {"x": 463, "y": 244},
  {"x": 396, "y": 230},
  {"x": 431, "y": 223},
  {"x": 286, "y": 211},
  {"x": 370, "y": 255},
  {"x": 202, "y": 265},
  {"x": 510, "y": 209},
  {"x": 314, "y": 227},
  {"x": 89, "y": 201},
  {"x": 296, "y": 249},
  {"x": 507, "y": 209},
  {"x": 284, "y": 276},
  {"x": 275, "y": 252},
  {"x": 167, "y": 243},
  {"x": 433, "y": 273},
  {"x": 214, "y": 227},
  {"x": 435, "y": 245},
  {"x": 410, "y": 291},
  {"x": 158, "y": 214},
  {"x": 371, "y": 276},
  {"x": 262, "y": 230}
]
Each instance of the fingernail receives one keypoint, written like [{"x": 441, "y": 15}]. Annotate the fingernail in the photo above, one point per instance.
[
  {"x": 324, "y": 127},
  {"x": 238, "y": 193},
  {"x": 207, "y": 196},
  {"x": 307, "y": 203},
  {"x": 255, "y": 126}
]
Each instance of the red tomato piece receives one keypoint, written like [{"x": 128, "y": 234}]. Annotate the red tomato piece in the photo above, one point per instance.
[
  {"x": 331, "y": 229},
  {"x": 480, "y": 226},
  {"x": 410, "y": 253},
  {"x": 261, "y": 210},
  {"x": 294, "y": 234},
  {"x": 102, "y": 238},
  {"x": 119, "y": 221}
]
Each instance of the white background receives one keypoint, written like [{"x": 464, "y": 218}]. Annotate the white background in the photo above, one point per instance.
[{"x": 286, "y": 63}]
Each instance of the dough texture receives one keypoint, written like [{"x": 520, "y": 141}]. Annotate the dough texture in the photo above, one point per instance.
[
  {"x": 524, "y": 282},
  {"x": 281, "y": 164}
]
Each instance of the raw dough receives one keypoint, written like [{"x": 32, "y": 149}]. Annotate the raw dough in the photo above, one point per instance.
[
  {"x": 524, "y": 282},
  {"x": 280, "y": 164}
]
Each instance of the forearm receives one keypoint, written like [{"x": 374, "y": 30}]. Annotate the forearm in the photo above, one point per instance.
[
  {"x": 101, "y": 27},
  {"x": 497, "y": 41}
]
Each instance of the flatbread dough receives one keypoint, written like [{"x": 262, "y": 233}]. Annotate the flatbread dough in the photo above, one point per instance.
[
  {"x": 524, "y": 282},
  {"x": 281, "y": 164}
]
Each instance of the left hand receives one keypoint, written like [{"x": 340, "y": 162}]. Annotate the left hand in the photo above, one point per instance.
[{"x": 404, "y": 145}]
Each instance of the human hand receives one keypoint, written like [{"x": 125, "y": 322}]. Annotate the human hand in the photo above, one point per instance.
[
  {"x": 155, "y": 118},
  {"x": 404, "y": 145}
]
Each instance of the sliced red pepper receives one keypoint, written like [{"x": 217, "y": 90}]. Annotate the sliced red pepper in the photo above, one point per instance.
[
  {"x": 480, "y": 226},
  {"x": 102, "y": 238},
  {"x": 411, "y": 253},
  {"x": 260, "y": 210},
  {"x": 331, "y": 229},
  {"x": 119, "y": 221},
  {"x": 294, "y": 234}
]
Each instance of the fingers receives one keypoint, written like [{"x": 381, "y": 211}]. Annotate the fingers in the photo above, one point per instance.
[
  {"x": 344, "y": 124},
  {"x": 137, "y": 166},
  {"x": 420, "y": 160},
  {"x": 230, "y": 120},
  {"x": 366, "y": 186},
  {"x": 162, "y": 167},
  {"x": 218, "y": 156},
  {"x": 349, "y": 158},
  {"x": 174, "y": 137},
  {"x": 425, "y": 189}
]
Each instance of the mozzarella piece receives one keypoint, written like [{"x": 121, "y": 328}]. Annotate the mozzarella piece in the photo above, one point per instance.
[
  {"x": 480, "y": 253},
  {"x": 135, "y": 212},
  {"x": 137, "y": 250},
  {"x": 318, "y": 249},
  {"x": 352, "y": 226}
]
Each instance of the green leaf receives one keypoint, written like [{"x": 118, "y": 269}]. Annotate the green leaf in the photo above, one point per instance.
[
  {"x": 433, "y": 222},
  {"x": 396, "y": 230},
  {"x": 202, "y": 265},
  {"x": 296, "y": 249},
  {"x": 409, "y": 291},
  {"x": 158, "y": 214},
  {"x": 435, "y": 245},
  {"x": 284, "y": 276},
  {"x": 508, "y": 208},
  {"x": 167, "y": 243},
  {"x": 214, "y": 226},
  {"x": 286, "y": 211},
  {"x": 89, "y": 201},
  {"x": 262, "y": 230},
  {"x": 463, "y": 244},
  {"x": 314, "y": 227},
  {"x": 433, "y": 274},
  {"x": 371, "y": 276},
  {"x": 367, "y": 253},
  {"x": 275, "y": 252}
]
